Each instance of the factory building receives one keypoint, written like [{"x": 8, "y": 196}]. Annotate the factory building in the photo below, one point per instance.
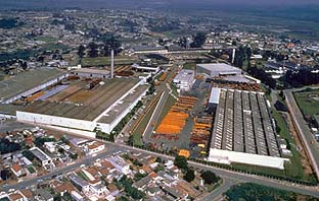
[
  {"x": 25, "y": 84},
  {"x": 89, "y": 73},
  {"x": 214, "y": 98},
  {"x": 79, "y": 101},
  {"x": 243, "y": 130},
  {"x": 146, "y": 68},
  {"x": 86, "y": 110},
  {"x": 184, "y": 80},
  {"x": 224, "y": 72}
]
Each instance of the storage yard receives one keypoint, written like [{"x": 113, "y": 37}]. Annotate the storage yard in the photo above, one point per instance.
[{"x": 175, "y": 120}]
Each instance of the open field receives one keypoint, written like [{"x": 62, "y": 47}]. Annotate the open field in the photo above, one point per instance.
[
  {"x": 308, "y": 101},
  {"x": 106, "y": 61}
]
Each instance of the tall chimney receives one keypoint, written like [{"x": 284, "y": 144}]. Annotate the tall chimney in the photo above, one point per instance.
[
  {"x": 112, "y": 63},
  {"x": 233, "y": 57}
]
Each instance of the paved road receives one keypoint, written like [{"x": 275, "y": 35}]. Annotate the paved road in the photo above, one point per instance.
[
  {"x": 217, "y": 193},
  {"x": 303, "y": 130}
]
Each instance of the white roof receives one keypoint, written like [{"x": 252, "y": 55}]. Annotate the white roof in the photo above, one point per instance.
[
  {"x": 220, "y": 67},
  {"x": 214, "y": 95},
  {"x": 225, "y": 156}
]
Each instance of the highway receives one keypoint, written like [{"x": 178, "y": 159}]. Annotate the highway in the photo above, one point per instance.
[{"x": 303, "y": 129}]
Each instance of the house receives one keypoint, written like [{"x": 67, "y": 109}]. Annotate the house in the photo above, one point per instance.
[
  {"x": 99, "y": 190},
  {"x": 95, "y": 147},
  {"x": 17, "y": 170},
  {"x": 26, "y": 193},
  {"x": 120, "y": 164},
  {"x": 79, "y": 183},
  {"x": 45, "y": 160},
  {"x": 50, "y": 146},
  {"x": 76, "y": 196},
  {"x": 43, "y": 195},
  {"x": 17, "y": 196},
  {"x": 91, "y": 173}
]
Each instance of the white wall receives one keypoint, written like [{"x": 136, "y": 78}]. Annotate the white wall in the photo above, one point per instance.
[
  {"x": 55, "y": 121},
  {"x": 228, "y": 157}
]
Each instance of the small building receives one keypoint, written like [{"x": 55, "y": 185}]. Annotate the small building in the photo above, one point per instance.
[
  {"x": 120, "y": 164},
  {"x": 45, "y": 160},
  {"x": 146, "y": 67},
  {"x": 214, "y": 98},
  {"x": 79, "y": 183},
  {"x": 17, "y": 170},
  {"x": 43, "y": 195},
  {"x": 184, "y": 80},
  {"x": 95, "y": 147}
]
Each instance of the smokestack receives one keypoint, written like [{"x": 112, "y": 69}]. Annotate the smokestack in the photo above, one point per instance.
[
  {"x": 233, "y": 57},
  {"x": 112, "y": 63}
]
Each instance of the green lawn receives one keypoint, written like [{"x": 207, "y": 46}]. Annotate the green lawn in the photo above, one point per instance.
[
  {"x": 307, "y": 102},
  {"x": 104, "y": 61},
  {"x": 47, "y": 39},
  {"x": 137, "y": 135},
  {"x": 190, "y": 66},
  {"x": 294, "y": 169}
]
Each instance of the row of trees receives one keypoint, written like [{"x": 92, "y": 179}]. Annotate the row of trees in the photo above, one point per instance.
[
  {"x": 301, "y": 78},
  {"x": 104, "y": 49},
  {"x": 263, "y": 76}
]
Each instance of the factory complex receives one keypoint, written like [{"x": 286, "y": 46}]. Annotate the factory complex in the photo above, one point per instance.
[{"x": 78, "y": 101}]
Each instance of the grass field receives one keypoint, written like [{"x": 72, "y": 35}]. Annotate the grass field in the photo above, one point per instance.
[
  {"x": 106, "y": 61},
  {"x": 47, "y": 39},
  {"x": 308, "y": 101},
  {"x": 294, "y": 169},
  {"x": 137, "y": 135},
  {"x": 190, "y": 66}
]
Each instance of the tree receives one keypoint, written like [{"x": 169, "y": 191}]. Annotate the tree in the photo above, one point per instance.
[
  {"x": 248, "y": 53},
  {"x": 190, "y": 175},
  {"x": 209, "y": 177},
  {"x": 81, "y": 51},
  {"x": 28, "y": 154},
  {"x": 181, "y": 162},
  {"x": 182, "y": 42},
  {"x": 93, "y": 50},
  {"x": 8, "y": 147},
  {"x": 198, "y": 40},
  {"x": 112, "y": 44}
]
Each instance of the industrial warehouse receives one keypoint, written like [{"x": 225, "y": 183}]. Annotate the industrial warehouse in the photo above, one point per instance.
[
  {"x": 224, "y": 72},
  {"x": 79, "y": 101},
  {"x": 243, "y": 130}
]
